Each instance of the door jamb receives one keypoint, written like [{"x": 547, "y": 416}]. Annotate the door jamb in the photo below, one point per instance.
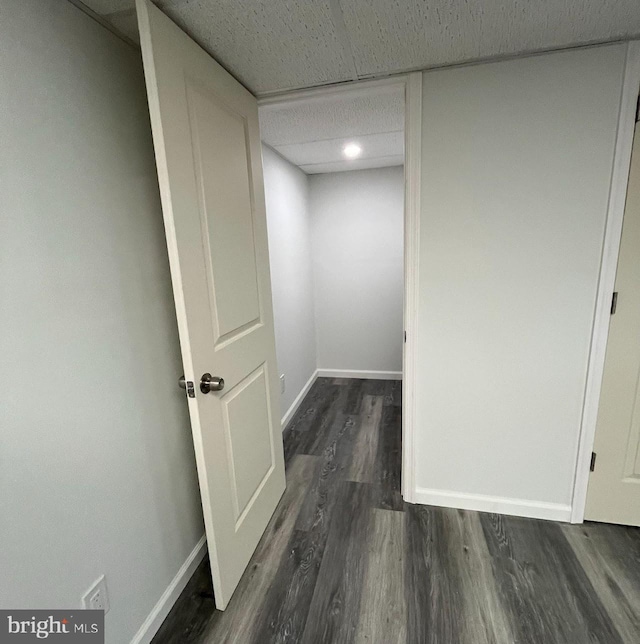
[
  {"x": 412, "y": 186},
  {"x": 606, "y": 282},
  {"x": 412, "y": 84}
]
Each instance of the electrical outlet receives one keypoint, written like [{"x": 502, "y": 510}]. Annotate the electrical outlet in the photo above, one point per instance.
[
  {"x": 282, "y": 384},
  {"x": 97, "y": 598}
]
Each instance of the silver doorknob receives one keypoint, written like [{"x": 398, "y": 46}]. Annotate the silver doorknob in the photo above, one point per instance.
[{"x": 211, "y": 383}]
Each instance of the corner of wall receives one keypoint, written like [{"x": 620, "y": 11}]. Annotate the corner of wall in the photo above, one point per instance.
[{"x": 298, "y": 399}]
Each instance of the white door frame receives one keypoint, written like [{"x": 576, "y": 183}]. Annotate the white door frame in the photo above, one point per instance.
[
  {"x": 606, "y": 282},
  {"x": 412, "y": 84}
]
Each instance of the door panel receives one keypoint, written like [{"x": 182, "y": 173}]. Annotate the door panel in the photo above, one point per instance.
[
  {"x": 249, "y": 432},
  {"x": 225, "y": 190},
  {"x": 208, "y": 155},
  {"x": 613, "y": 495}
]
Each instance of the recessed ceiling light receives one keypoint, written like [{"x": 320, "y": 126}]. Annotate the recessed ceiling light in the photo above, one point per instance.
[{"x": 352, "y": 150}]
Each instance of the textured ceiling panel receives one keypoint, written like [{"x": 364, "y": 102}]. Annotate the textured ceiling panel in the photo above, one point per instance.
[
  {"x": 311, "y": 133},
  {"x": 345, "y": 115},
  {"x": 397, "y": 35},
  {"x": 268, "y": 44},
  {"x": 373, "y": 146}
]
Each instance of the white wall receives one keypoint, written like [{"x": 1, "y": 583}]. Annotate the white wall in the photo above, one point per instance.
[
  {"x": 97, "y": 469},
  {"x": 289, "y": 228},
  {"x": 516, "y": 169},
  {"x": 358, "y": 268},
  {"x": 336, "y": 252}
]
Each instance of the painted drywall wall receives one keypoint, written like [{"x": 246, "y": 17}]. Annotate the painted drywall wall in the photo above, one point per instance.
[
  {"x": 516, "y": 169},
  {"x": 97, "y": 469},
  {"x": 289, "y": 229},
  {"x": 357, "y": 223}
]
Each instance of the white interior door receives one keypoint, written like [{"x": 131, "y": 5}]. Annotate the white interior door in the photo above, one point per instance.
[
  {"x": 613, "y": 495},
  {"x": 207, "y": 144}
]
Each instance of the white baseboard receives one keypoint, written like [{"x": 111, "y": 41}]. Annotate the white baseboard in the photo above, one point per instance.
[
  {"x": 296, "y": 403},
  {"x": 369, "y": 375},
  {"x": 160, "y": 611},
  {"x": 496, "y": 504}
]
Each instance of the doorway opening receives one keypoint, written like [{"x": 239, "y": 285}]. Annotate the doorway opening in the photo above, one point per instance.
[{"x": 335, "y": 188}]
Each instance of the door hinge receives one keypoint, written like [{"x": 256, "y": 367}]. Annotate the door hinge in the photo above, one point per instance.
[
  {"x": 592, "y": 466},
  {"x": 638, "y": 109},
  {"x": 614, "y": 302},
  {"x": 405, "y": 336}
]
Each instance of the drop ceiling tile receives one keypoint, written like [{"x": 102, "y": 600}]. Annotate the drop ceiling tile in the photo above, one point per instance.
[
  {"x": 327, "y": 151},
  {"x": 395, "y": 35},
  {"x": 350, "y": 114},
  {"x": 268, "y": 45}
]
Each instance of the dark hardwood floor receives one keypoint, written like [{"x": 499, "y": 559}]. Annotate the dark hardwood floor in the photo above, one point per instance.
[{"x": 345, "y": 560}]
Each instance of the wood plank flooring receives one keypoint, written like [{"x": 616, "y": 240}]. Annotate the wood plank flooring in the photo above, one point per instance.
[{"x": 345, "y": 560}]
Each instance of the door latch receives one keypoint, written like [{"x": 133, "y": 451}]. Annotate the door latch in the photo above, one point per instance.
[{"x": 188, "y": 385}]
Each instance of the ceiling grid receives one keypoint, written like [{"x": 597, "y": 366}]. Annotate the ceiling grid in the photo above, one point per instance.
[
  {"x": 343, "y": 36},
  {"x": 274, "y": 46}
]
